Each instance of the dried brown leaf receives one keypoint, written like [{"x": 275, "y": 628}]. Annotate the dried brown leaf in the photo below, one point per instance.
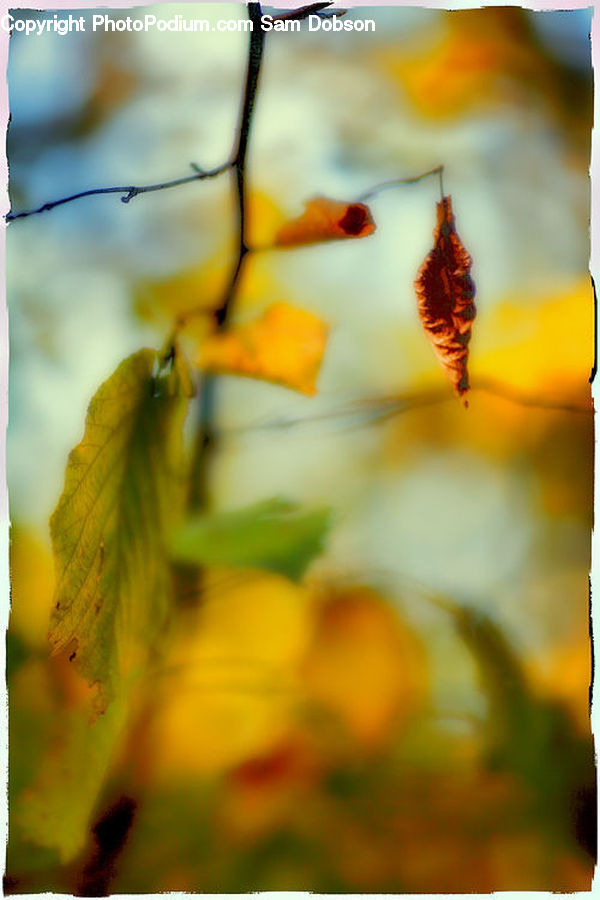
[{"x": 445, "y": 293}]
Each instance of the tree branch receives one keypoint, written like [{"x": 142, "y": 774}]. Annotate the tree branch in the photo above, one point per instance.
[
  {"x": 205, "y": 442},
  {"x": 255, "y": 54},
  {"x": 304, "y": 12},
  {"x": 380, "y": 409},
  {"x": 371, "y": 192},
  {"x": 128, "y": 191}
]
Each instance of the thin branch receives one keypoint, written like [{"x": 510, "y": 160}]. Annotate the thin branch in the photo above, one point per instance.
[
  {"x": 255, "y": 55},
  {"x": 521, "y": 398},
  {"x": 371, "y": 192},
  {"x": 128, "y": 191},
  {"x": 205, "y": 441},
  {"x": 380, "y": 409},
  {"x": 304, "y": 12},
  {"x": 395, "y": 182}
]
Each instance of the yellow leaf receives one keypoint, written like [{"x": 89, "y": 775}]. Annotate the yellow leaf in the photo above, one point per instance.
[{"x": 285, "y": 346}]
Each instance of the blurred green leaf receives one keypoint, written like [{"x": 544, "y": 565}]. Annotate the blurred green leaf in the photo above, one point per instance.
[
  {"x": 501, "y": 674},
  {"x": 531, "y": 736},
  {"x": 122, "y": 490},
  {"x": 17, "y": 653},
  {"x": 55, "y": 813},
  {"x": 273, "y": 534}
]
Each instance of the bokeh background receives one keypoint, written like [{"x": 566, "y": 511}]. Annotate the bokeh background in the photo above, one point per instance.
[{"x": 414, "y": 716}]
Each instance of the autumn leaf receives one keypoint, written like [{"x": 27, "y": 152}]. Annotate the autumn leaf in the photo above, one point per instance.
[
  {"x": 56, "y": 811},
  {"x": 121, "y": 492},
  {"x": 274, "y": 535},
  {"x": 445, "y": 294},
  {"x": 113, "y": 584},
  {"x": 326, "y": 220},
  {"x": 285, "y": 346}
]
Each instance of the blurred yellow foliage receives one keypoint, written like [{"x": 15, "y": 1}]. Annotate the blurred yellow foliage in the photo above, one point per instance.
[
  {"x": 285, "y": 345},
  {"x": 543, "y": 347},
  {"x": 233, "y": 683},
  {"x": 201, "y": 287},
  {"x": 365, "y": 666},
  {"x": 473, "y": 59},
  {"x": 32, "y": 587},
  {"x": 264, "y": 217},
  {"x": 565, "y": 674},
  {"x": 262, "y": 653},
  {"x": 198, "y": 288}
]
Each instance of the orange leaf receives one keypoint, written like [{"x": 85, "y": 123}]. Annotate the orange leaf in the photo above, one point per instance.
[
  {"x": 326, "y": 220},
  {"x": 445, "y": 294},
  {"x": 285, "y": 345}
]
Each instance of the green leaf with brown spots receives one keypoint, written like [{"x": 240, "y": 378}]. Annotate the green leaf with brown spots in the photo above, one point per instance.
[{"x": 123, "y": 488}]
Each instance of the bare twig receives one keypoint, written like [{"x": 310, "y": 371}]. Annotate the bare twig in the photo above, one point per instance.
[
  {"x": 380, "y": 409},
  {"x": 395, "y": 182},
  {"x": 304, "y": 12},
  {"x": 128, "y": 191},
  {"x": 205, "y": 435},
  {"x": 521, "y": 398},
  {"x": 366, "y": 195}
]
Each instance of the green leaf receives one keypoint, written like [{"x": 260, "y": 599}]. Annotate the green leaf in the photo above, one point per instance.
[
  {"x": 122, "y": 490},
  {"x": 273, "y": 535},
  {"x": 55, "y": 813},
  {"x": 525, "y": 728}
]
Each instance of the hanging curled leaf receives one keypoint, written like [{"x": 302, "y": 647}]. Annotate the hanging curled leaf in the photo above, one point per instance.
[
  {"x": 285, "y": 345},
  {"x": 108, "y": 530},
  {"x": 326, "y": 220},
  {"x": 445, "y": 295}
]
